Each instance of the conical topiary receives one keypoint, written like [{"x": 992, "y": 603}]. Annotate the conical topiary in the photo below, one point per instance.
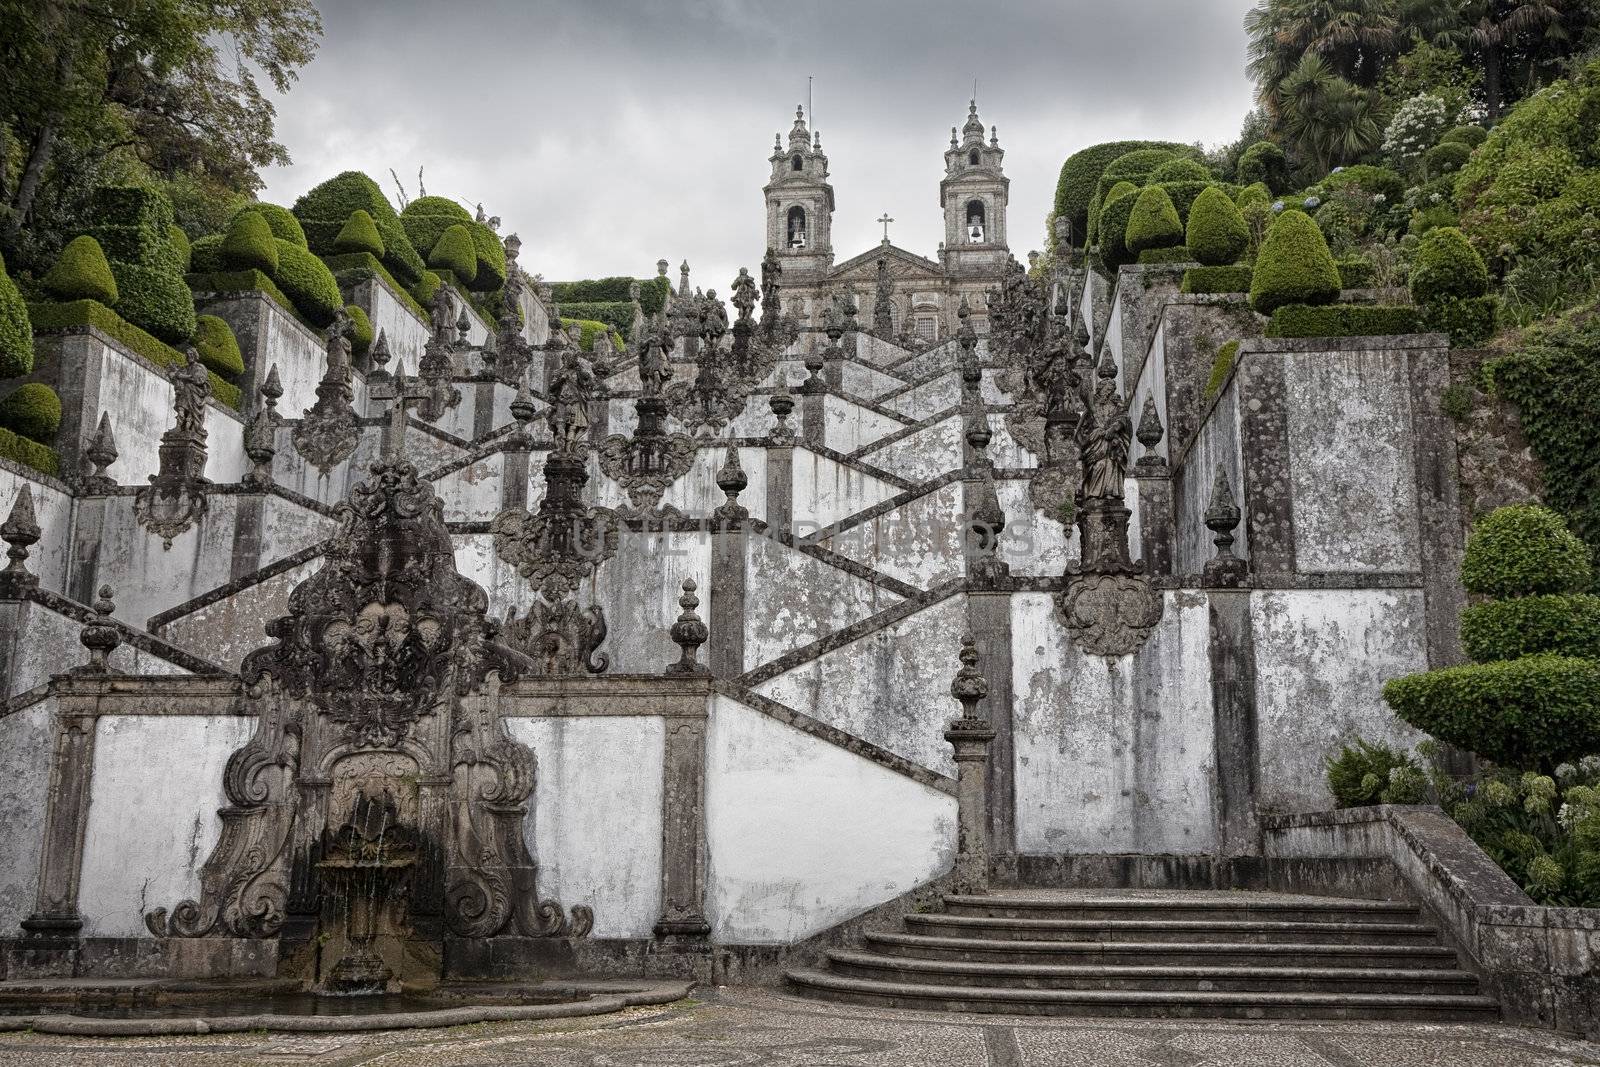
[
  {"x": 456, "y": 253},
  {"x": 1217, "y": 235},
  {"x": 1447, "y": 266},
  {"x": 1294, "y": 266},
  {"x": 1154, "y": 222},
  {"x": 218, "y": 347},
  {"x": 16, "y": 332},
  {"x": 82, "y": 273},
  {"x": 360, "y": 234},
  {"x": 249, "y": 244}
]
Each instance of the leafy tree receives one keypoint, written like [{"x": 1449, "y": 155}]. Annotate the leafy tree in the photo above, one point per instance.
[
  {"x": 170, "y": 86},
  {"x": 1351, "y": 38},
  {"x": 1329, "y": 119}
]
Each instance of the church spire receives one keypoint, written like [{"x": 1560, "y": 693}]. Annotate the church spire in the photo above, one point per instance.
[{"x": 972, "y": 132}]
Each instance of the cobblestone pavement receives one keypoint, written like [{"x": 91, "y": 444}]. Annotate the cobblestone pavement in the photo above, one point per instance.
[{"x": 759, "y": 1028}]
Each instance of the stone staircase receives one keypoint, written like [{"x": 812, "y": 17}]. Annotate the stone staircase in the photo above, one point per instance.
[{"x": 1159, "y": 954}]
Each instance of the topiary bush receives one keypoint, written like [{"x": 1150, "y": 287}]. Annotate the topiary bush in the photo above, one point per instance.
[
  {"x": 400, "y": 256},
  {"x": 1113, "y": 227},
  {"x": 1446, "y": 158},
  {"x": 491, "y": 256},
  {"x": 1524, "y": 550},
  {"x": 1216, "y": 234},
  {"x": 32, "y": 410},
  {"x": 1183, "y": 194},
  {"x": 455, "y": 253},
  {"x": 1468, "y": 321},
  {"x": 1294, "y": 266},
  {"x": 360, "y": 234},
  {"x": 132, "y": 224},
  {"x": 155, "y": 299},
  {"x": 205, "y": 254},
  {"x": 307, "y": 282},
  {"x": 1471, "y": 136},
  {"x": 1097, "y": 212},
  {"x": 82, "y": 273},
  {"x": 652, "y": 291},
  {"x": 1264, "y": 162},
  {"x": 437, "y": 205},
  {"x": 218, "y": 347},
  {"x": 1078, "y": 182},
  {"x": 426, "y": 287},
  {"x": 280, "y": 220},
  {"x": 1235, "y": 279},
  {"x": 1152, "y": 257},
  {"x": 361, "y": 334},
  {"x": 16, "y": 331},
  {"x": 1566, "y": 624},
  {"x": 250, "y": 245},
  {"x": 1355, "y": 272},
  {"x": 1153, "y": 222},
  {"x": 1446, "y": 266},
  {"x": 1342, "y": 320},
  {"x": 1181, "y": 170},
  {"x": 1375, "y": 181},
  {"x": 180, "y": 245},
  {"x": 1256, "y": 193},
  {"x": 334, "y": 200}
]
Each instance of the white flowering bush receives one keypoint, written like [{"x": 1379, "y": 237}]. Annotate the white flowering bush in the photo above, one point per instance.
[{"x": 1417, "y": 125}]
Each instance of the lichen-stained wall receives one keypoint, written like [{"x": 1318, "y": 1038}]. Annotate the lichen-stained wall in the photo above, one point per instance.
[
  {"x": 696, "y": 493},
  {"x": 927, "y": 453},
  {"x": 27, "y": 744},
  {"x": 49, "y": 645},
  {"x": 864, "y": 381},
  {"x": 639, "y": 589},
  {"x": 803, "y": 835},
  {"x": 1032, "y": 542},
  {"x": 595, "y": 822},
  {"x": 473, "y": 493},
  {"x": 826, "y": 491},
  {"x": 300, "y": 355},
  {"x": 152, "y": 817},
  {"x": 878, "y": 352},
  {"x": 794, "y": 599},
  {"x": 48, "y": 558},
  {"x": 1352, "y": 468},
  {"x": 288, "y": 527},
  {"x": 1113, "y": 755},
  {"x": 149, "y": 578},
  {"x": 879, "y": 686},
  {"x": 230, "y": 628},
  {"x": 929, "y": 398},
  {"x": 1322, "y": 656},
  {"x": 918, "y": 542},
  {"x": 1216, "y": 442},
  {"x": 407, "y": 334},
  {"x": 847, "y": 426}
]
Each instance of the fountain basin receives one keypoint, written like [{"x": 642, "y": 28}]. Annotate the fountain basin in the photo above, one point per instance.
[{"x": 149, "y": 1008}]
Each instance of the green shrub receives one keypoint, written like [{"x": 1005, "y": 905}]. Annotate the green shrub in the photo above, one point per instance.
[
  {"x": 131, "y": 223},
  {"x": 79, "y": 313},
  {"x": 1524, "y": 550},
  {"x": 1471, "y": 136},
  {"x": 250, "y": 245},
  {"x": 41, "y": 458},
  {"x": 1183, "y": 195},
  {"x": 1181, "y": 170},
  {"x": 1359, "y": 775},
  {"x": 180, "y": 245},
  {"x": 32, "y": 410},
  {"x": 1447, "y": 266},
  {"x": 218, "y": 348},
  {"x": 336, "y": 198},
  {"x": 16, "y": 331},
  {"x": 617, "y": 315},
  {"x": 1097, "y": 210},
  {"x": 1136, "y": 167},
  {"x": 1341, "y": 320},
  {"x": 455, "y": 253},
  {"x": 1154, "y": 222},
  {"x": 1077, "y": 183},
  {"x": 591, "y": 332},
  {"x": 1468, "y": 321},
  {"x": 1216, "y": 235},
  {"x": 360, "y": 234},
  {"x": 1446, "y": 158},
  {"x": 1156, "y": 257},
  {"x": 280, "y": 220},
  {"x": 1533, "y": 711},
  {"x": 308, "y": 282},
  {"x": 353, "y": 268},
  {"x": 1355, "y": 273},
  {"x": 652, "y": 292},
  {"x": 361, "y": 335},
  {"x": 1563, "y": 624},
  {"x": 82, "y": 273},
  {"x": 424, "y": 231},
  {"x": 1264, "y": 162},
  {"x": 1294, "y": 266},
  {"x": 156, "y": 300},
  {"x": 1374, "y": 181},
  {"x": 205, "y": 254},
  {"x": 1232, "y": 279},
  {"x": 244, "y": 281},
  {"x": 426, "y": 287},
  {"x": 1256, "y": 193},
  {"x": 1221, "y": 365},
  {"x": 437, "y": 205},
  {"x": 400, "y": 256},
  {"x": 491, "y": 257}
]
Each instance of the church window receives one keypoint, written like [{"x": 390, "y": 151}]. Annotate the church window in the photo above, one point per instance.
[
  {"x": 972, "y": 157},
  {"x": 797, "y": 227},
  {"x": 796, "y": 163},
  {"x": 975, "y": 220},
  {"x": 926, "y": 327}
]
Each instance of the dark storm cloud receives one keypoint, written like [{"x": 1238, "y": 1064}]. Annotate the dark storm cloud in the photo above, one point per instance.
[{"x": 612, "y": 134}]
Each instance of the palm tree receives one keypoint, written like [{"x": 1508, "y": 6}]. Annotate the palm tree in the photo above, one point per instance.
[
  {"x": 1351, "y": 36},
  {"x": 1496, "y": 27},
  {"x": 1326, "y": 117}
]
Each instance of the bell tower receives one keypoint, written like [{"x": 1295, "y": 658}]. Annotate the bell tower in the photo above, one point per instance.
[
  {"x": 973, "y": 194},
  {"x": 800, "y": 204}
]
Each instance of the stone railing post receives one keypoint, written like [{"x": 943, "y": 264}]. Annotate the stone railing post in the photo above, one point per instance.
[{"x": 970, "y": 735}]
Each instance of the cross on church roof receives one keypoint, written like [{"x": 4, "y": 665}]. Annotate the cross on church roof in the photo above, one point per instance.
[{"x": 885, "y": 219}]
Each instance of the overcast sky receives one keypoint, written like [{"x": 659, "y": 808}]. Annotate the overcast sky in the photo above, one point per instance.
[{"x": 612, "y": 133}]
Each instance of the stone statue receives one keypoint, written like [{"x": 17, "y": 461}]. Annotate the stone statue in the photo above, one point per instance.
[
  {"x": 441, "y": 315},
  {"x": 744, "y": 294},
  {"x": 1107, "y": 438},
  {"x": 655, "y": 369},
  {"x": 190, "y": 386},
  {"x": 569, "y": 405},
  {"x": 713, "y": 318}
]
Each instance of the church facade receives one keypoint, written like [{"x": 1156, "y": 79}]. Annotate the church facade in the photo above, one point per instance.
[{"x": 924, "y": 294}]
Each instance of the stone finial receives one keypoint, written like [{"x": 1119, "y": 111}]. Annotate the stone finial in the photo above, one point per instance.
[
  {"x": 102, "y": 452},
  {"x": 20, "y": 531},
  {"x": 661, "y": 268},
  {"x": 272, "y": 389},
  {"x": 522, "y": 406},
  {"x": 969, "y": 735},
  {"x": 513, "y": 246},
  {"x": 978, "y": 436},
  {"x": 1149, "y": 434},
  {"x": 814, "y": 382},
  {"x": 969, "y": 686},
  {"x": 378, "y": 354},
  {"x": 1222, "y": 518},
  {"x": 463, "y": 323},
  {"x": 689, "y": 633},
  {"x": 732, "y": 480},
  {"x": 100, "y": 636},
  {"x": 782, "y": 404}
]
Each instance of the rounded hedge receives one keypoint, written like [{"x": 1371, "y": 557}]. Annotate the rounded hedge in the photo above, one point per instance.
[
  {"x": 1136, "y": 166},
  {"x": 280, "y": 220},
  {"x": 1114, "y": 216},
  {"x": 1369, "y": 179},
  {"x": 456, "y": 253},
  {"x": 1563, "y": 624},
  {"x": 1264, "y": 162},
  {"x": 16, "y": 331},
  {"x": 1446, "y": 266},
  {"x": 308, "y": 283},
  {"x": 250, "y": 245},
  {"x": 491, "y": 256},
  {"x": 205, "y": 254},
  {"x": 361, "y": 335},
  {"x": 1523, "y": 550},
  {"x": 1446, "y": 157},
  {"x": 1216, "y": 235},
  {"x": 436, "y": 205},
  {"x": 218, "y": 348},
  {"x": 334, "y": 199},
  {"x": 425, "y": 288},
  {"x": 1181, "y": 170},
  {"x": 1254, "y": 193},
  {"x": 180, "y": 245},
  {"x": 156, "y": 300},
  {"x": 424, "y": 231},
  {"x": 1097, "y": 212},
  {"x": 82, "y": 273},
  {"x": 1294, "y": 266},
  {"x": 360, "y": 234},
  {"x": 1080, "y": 175},
  {"x": 400, "y": 254},
  {"x": 32, "y": 410},
  {"x": 1154, "y": 222},
  {"x": 1471, "y": 136},
  {"x": 1528, "y": 712}
]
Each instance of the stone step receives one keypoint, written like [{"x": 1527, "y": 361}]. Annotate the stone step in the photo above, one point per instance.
[
  {"x": 1145, "y": 1003},
  {"x": 903, "y": 970},
  {"x": 1175, "y": 907},
  {"x": 1177, "y": 953},
  {"x": 1003, "y": 929}
]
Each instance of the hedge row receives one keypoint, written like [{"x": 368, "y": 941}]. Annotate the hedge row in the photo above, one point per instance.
[
  {"x": 1342, "y": 320},
  {"x": 1081, "y": 172},
  {"x": 352, "y": 268},
  {"x": 652, "y": 292},
  {"x": 80, "y": 313},
  {"x": 40, "y": 457},
  {"x": 618, "y": 316},
  {"x": 1216, "y": 280},
  {"x": 1563, "y": 624}
]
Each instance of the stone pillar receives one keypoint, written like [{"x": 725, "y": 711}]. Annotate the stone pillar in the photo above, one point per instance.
[
  {"x": 55, "y": 913},
  {"x": 989, "y": 617},
  {"x": 780, "y": 488},
  {"x": 1264, "y": 446},
  {"x": 1233, "y": 700},
  {"x": 730, "y": 527},
  {"x": 969, "y": 735},
  {"x": 248, "y": 520},
  {"x": 1439, "y": 522},
  {"x": 1154, "y": 480},
  {"x": 683, "y": 829}
]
